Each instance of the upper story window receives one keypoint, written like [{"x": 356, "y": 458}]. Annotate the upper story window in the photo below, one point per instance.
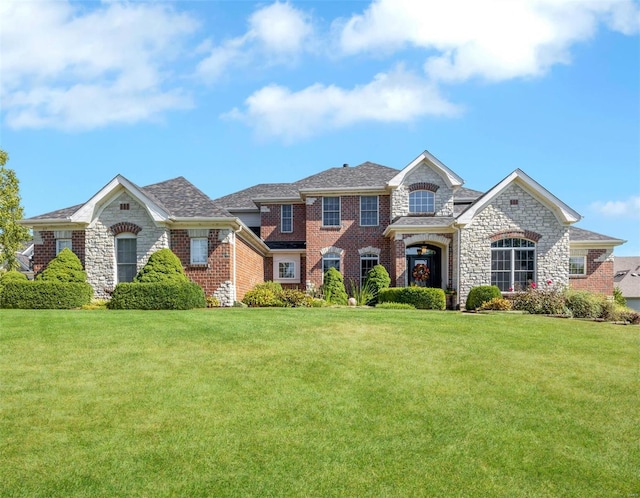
[
  {"x": 61, "y": 244},
  {"x": 513, "y": 264},
  {"x": 369, "y": 210},
  {"x": 577, "y": 265},
  {"x": 421, "y": 201},
  {"x": 199, "y": 251},
  {"x": 286, "y": 218},
  {"x": 331, "y": 211}
]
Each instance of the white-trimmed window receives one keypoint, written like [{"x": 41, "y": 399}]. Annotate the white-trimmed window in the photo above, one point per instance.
[
  {"x": 421, "y": 201},
  {"x": 330, "y": 260},
  {"x": 61, "y": 244},
  {"x": 286, "y": 268},
  {"x": 367, "y": 262},
  {"x": 577, "y": 265},
  {"x": 513, "y": 264},
  {"x": 331, "y": 211},
  {"x": 286, "y": 218},
  {"x": 126, "y": 257},
  {"x": 199, "y": 250},
  {"x": 368, "y": 210}
]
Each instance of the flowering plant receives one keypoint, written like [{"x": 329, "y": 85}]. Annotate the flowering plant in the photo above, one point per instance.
[{"x": 421, "y": 272}]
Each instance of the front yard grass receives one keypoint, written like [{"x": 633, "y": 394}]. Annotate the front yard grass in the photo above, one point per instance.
[{"x": 316, "y": 402}]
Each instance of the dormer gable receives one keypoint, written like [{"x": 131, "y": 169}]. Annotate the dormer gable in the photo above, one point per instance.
[{"x": 421, "y": 166}]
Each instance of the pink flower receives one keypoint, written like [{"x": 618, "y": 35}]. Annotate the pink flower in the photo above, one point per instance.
[
  {"x": 510, "y": 289},
  {"x": 533, "y": 285},
  {"x": 549, "y": 282}
]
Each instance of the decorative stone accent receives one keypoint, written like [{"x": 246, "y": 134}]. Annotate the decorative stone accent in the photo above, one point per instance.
[
  {"x": 427, "y": 237},
  {"x": 198, "y": 232},
  {"x": 369, "y": 250},
  {"x": 516, "y": 234},
  {"x": 331, "y": 249},
  {"x": 226, "y": 236},
  {"x": 125, "y": 227},
  {"x": 432, "y": 187},
  {"x": 226, "y": 293},
  {"x": 62, "y": 234}
]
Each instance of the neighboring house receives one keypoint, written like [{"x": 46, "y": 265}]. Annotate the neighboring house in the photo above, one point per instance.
[
  {"x": 350, "y": 218},
  {"x": 627, "y": 278},
  {"x": 24, "y": 256}
]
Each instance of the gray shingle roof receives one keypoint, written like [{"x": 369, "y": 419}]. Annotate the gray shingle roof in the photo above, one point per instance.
[
  {"x": 182, "y": 199},
  {"x": 60, "y": 214},
  {"x": 364, "y": 175},
  {"x": 423, "y": 221},
  {"x": 244, "y": 199},
  {"x": 626, "y": 271},
  {"x": 580, "y": 235}
]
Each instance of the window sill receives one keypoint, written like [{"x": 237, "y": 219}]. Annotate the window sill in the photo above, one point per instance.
[
  {"x": 198, "y": 265},
  {"x": 577, "y": 276},
  {"x": 331, "y": 227}
]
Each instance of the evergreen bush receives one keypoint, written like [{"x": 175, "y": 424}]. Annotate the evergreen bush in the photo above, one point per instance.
[
  {"x": 425, "y": 298},
  {"x": 157, "y": 296},
  {"x": 45, "y": 294},
  {"x": 162, "y": 266},
  {"x": 481, "y": 294},
  {"x": 65, "y": 267},
  {"x": 377, "y": 279},
  {"x": 12, "y": 276},
  {"x": 333, "y": 287},
  {"x": 496, "y": 304}
]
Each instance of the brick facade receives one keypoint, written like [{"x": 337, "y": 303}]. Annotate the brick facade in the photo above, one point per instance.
[
  {"x": 270, "y": 219},
  {"x": 599, "y": 277}
]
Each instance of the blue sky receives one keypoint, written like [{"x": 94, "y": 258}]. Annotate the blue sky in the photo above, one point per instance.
[{"x": 230, "y": 94}]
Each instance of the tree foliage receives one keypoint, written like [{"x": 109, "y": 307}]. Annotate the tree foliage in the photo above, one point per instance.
[{"x": 12, "y": 235}]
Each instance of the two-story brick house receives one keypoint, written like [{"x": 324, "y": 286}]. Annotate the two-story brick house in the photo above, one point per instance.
[{"x": 419, "y": 222}]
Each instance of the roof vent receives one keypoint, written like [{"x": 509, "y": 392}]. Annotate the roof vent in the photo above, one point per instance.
[{"x": 345, "y": 165}]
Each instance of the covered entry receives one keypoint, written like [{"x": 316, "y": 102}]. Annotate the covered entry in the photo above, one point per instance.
[{"x": 424, "y": 265}]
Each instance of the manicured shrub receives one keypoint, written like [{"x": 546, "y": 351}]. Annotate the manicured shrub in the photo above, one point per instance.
[
  {"x": 333, "y": 287},
  {"x": 481, "y": 294},
  {"x": 496, "y": 304},
  {"x": 538, "y": 301},
  {"x": 213, "y": 302},
  {"x": 294, "y": 298},
  {"x": 157, "y": 296},
  {"x": 377, "y": 279},
  {"x": 395, "y": 306},
  {"x": 45, "y": 294},
  {"x": 12, "y": 276},
  {"x": 263, "y": 297},
  {"x": 618, "y": 297},
  {"x": 65, "y": 267},
  {"x": 584, "y": 304},
  {"x": 425, "y": 298},
  {"x": 162, "y": 266}
]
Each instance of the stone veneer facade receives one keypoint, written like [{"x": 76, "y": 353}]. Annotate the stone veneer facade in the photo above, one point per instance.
[
  {"x": 528, "y": 218},
  {"x": 443, "y": 195},
  {"x": 100, "y": 241}
]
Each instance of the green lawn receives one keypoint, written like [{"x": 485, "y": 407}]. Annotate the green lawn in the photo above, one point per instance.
[{"x": 316, "y": 402}]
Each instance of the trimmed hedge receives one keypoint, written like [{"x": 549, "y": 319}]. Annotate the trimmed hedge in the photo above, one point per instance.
[
  {"x": 65, "y": 267},
  {"x": 423, "y": 298},
  {"x": 481, "y": 294},
  {"x": 157, "y": 296},
  {"x": 162, "y": 266},
  {"x": 45, "y": 294}
]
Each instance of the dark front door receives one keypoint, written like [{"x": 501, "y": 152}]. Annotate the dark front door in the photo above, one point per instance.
[{"x": 425, "y": 270}]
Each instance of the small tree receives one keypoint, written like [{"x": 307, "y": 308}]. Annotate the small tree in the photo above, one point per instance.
[
  {"x": 12, "y": 235},
  {"x": 65, "y": 267},
  {"x": 163, "y": 266},
  {"x": 333, "y": 287}
]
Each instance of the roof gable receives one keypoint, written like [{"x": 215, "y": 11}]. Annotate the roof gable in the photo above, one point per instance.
[
  {"x": 562, "y": 211},
  {"x": 450, "y": 178}
]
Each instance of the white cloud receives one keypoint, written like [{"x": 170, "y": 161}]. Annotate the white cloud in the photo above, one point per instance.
[
  {"x": 398, "y": 96},
  {"x": 492, "y": 39},
  {"x": 70, "y": 68},
  {"x": 277, "y": 33},
  {"x": 629, "y": 208}
]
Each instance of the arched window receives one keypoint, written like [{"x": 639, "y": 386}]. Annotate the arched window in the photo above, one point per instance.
[
  {"x": 126, "y": 256},
  {"x": 513, "y": 264},
  {"x": 367, "y": 262},
  {"x": 330, "y": 260},
  {"x": 421, "y": 201}
]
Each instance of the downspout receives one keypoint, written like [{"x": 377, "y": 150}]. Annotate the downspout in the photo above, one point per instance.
[
  {"x": 235, "y": 263},
  {"x": 458, "y": 265}
]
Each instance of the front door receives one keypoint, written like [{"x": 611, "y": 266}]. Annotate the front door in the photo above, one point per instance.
[{"x": 424, "y": 270}]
